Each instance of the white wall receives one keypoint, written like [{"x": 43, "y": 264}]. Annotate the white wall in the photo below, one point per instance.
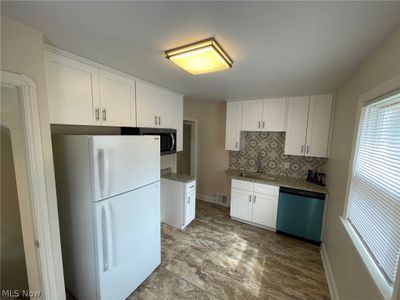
[
  {"x": 22, "y": 52},
  {"x": 352, "y": 278},
  {"x": 212, "y": 158}
]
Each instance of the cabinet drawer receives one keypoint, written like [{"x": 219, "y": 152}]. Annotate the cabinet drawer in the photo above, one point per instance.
[
  {"x": 242, "y": 185},
  {"x": 191, "y": 186},
  {"x": 266, "y": 189}
]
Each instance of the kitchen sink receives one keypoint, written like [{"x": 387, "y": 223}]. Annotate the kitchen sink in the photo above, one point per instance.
[{"x": 257, "y": 176}]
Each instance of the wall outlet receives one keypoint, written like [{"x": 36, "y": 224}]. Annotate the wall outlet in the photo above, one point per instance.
[{"x": 286, "y": 165}]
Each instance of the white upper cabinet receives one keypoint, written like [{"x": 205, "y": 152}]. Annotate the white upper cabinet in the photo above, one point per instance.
[
  {"x": 178, "y": 122},
  {"x": 146, "y": 105},
  {"x": 233, "y": 124},
  {"x": 296, "y": 127},
  {"x": 252, "y": 115},
  {"x": 165, "y": 109},
  {"x": 318, "y": 128},
  {"x": 274, "y": 114},
  {"x": 72, "y": 91},
  {"x": 264, "y": 115},
  {"x": 117, "y": 98},
  {"x": 308, "y": 125},
  {"x": 82, "y": 94},
  {"x": 155, "y": 107}
]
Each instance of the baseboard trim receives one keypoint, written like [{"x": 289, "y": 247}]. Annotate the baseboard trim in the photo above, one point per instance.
[
  {"x": 329, "y": 274},
  {"x": 209, "y": 199},
  {"x": 206, "y": 198}
]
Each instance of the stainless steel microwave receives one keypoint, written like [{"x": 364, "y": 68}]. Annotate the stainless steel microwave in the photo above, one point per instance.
[{"x": 167, "y": 137}]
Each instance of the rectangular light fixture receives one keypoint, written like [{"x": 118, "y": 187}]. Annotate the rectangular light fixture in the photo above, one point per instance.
[{"x": 201, "y": 57}]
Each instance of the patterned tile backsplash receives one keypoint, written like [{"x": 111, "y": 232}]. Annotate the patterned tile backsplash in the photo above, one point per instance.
[{"x": 268, "y": 147}]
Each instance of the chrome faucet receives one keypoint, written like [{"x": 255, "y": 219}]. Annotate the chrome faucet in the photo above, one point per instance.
[{"x": 259, "y": 159}]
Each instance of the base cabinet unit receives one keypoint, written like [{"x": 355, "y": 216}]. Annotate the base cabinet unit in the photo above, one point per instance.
[
  {"x": 178, "y": 202},
  {"x": 308, "y": 125},
  {"x": 254, "y": 203},
  {"x": 233, "y": 125}
]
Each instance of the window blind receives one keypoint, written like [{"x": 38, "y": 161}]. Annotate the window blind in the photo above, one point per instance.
[{"x": 374, "y": 199}]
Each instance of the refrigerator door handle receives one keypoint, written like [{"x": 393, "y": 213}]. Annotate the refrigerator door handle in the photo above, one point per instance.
[
  {"x": 108, "y": 256},
  {"x": 104, "y": 170}
]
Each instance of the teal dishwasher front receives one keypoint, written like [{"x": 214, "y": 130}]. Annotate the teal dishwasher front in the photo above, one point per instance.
[{"x": 300, "y": 214}]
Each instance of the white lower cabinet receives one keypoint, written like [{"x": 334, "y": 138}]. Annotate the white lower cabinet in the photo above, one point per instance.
[
  {"x": 265, "y": 209},
  {"x": 178, "y": 202},
  {"x": 241, "y": 204},
  {"x": 190, "y": 206},
  {"x": 254, "y": 203}
]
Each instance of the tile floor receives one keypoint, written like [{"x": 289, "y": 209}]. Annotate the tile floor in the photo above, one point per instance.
[{"x": 218, "y": 258}]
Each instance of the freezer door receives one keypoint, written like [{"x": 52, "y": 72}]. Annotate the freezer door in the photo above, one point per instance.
[
  {"x": 127, "y": 240},
  {"x": 123, "y": 163}
]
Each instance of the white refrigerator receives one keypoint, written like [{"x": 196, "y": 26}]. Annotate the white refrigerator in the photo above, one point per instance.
[{"x": 108, "y": 190}]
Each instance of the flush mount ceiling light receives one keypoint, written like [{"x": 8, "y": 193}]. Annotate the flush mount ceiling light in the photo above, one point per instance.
[{"x": 201, "y": 57}]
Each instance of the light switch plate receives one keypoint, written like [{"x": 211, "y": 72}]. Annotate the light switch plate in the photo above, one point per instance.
[{"x": 286, "y": 165}]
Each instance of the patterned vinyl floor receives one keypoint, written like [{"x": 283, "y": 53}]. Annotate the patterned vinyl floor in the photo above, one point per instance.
[{"x": 219, "y": 258}]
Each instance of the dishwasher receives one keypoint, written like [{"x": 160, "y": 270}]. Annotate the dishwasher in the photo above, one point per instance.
[{"x": 300, "y": 214}]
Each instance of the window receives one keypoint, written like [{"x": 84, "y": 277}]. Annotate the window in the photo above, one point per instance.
[{"x": 374, "y": 198}]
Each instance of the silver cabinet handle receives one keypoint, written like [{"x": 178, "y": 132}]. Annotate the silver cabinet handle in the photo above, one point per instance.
[
  {"x": 159, "y": 120},
  {"x": 254, "y": 199},
  {"x": 302, "y": 149},
  {"x": 249, "y": 198},
  {"x": 307, "y": 148},
  {"x": 104, "y": 115},
  {"x": 263, "y": 124},
  {"x": 188, "y": 200},
  {"x": 236, "y": 145},
  {"x": 259, "y": 124},
  {"x": 155, "y": 120},
  {"x": 97, "y": 114}
]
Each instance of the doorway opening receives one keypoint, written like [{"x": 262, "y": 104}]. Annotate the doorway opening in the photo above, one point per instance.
[
  {"x": 20, "y": 272},
  {"x": 187, "y": 159}
]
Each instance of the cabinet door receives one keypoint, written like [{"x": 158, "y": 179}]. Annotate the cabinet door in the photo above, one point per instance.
[
  {"x": 319, "y": 120},
  {"x": 178, "y": 122},
  {"x": 296, "y": 125},
  {"x": 252, "y": 115},
  {"x": 265, "y": 209},
  {"x": 165, "y": 109},
  {"x": 190, "y": 206},
  {"x": 233, "y": 124},
  {"x": 72, "y": 91},
  {"x": 117, "y": 98},
  {"x": 146, "y": 105},
  {"x": 241, "y": 204},
  {"x": 274, "y": 114}
]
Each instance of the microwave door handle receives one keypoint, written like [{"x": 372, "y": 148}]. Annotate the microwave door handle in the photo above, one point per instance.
[{"x": 173, "y": 141}]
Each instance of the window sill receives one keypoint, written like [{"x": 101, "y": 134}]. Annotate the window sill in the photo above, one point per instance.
[{"x": 385, "y": 289}]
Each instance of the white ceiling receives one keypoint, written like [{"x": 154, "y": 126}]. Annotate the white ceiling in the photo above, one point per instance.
[{"x": 278, "y": 48}]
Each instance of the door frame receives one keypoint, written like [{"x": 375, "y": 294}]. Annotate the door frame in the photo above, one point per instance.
[
  {"x": 35, "y": 171},
  {"x": 193, "y": 145}
]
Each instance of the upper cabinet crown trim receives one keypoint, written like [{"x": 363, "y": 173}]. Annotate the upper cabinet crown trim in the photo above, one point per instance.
[{"x": 70, "y": 55}]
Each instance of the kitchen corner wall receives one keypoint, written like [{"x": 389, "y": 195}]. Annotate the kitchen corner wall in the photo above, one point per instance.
[
  {"x": 351, "y": 276},
  {"x": 22, "y": 52},
  {"x": 212, "y": 158},
  {"x": 267, "y": 148}
]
